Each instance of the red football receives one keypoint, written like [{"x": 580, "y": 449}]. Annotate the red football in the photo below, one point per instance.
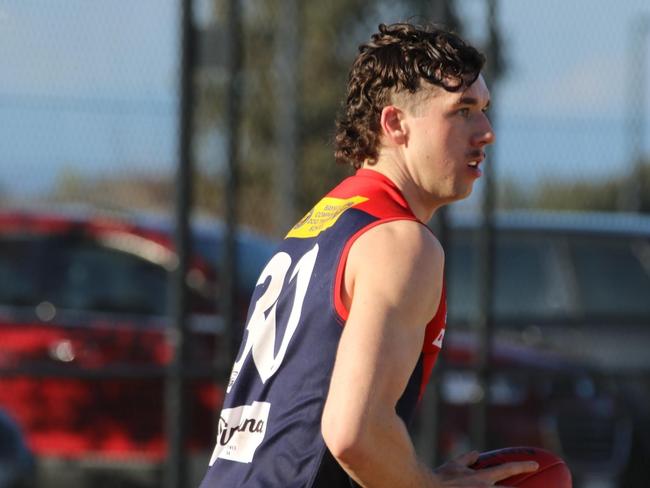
[{"x": 552, "y": 472}]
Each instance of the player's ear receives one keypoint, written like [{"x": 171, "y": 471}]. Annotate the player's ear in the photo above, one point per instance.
[{"x": 392, "y": 125}]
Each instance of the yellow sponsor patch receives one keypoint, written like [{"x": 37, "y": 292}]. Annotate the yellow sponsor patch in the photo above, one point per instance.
[{"x": 323, "y": 216}]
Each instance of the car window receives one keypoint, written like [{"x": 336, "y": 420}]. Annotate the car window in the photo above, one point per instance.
[
  {"x": 613, "y": 276},
  {"x": 92, "y": 277},
  {"x": 251, "y": 258},
  {"x": 462, "y": 281},
  {"x": 74, "y": 272},
  {"x": 18, "y": 282},
  {"x": 526, "y": 282}
]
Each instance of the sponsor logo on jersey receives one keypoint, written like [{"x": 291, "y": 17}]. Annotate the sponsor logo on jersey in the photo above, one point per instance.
[
  {"x": 323, "y": 216},
  {"x": 438, "y": 341},
  {"x": 240, "y": 432}
]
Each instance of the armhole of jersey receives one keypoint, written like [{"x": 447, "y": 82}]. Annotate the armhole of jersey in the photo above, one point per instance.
[{"x": 341, "y": 311}]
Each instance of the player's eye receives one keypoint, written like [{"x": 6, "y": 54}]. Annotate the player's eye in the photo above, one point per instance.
[{"x": 464, "y": 112}]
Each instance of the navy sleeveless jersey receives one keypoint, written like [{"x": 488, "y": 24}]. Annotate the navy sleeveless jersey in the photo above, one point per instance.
[{"x": 269, "y": 428}]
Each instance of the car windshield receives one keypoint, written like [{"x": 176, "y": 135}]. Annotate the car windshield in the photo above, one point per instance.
[
  {"x": 525, "y": 285},
  {"x": 73, "y": 272},
  {"x": 550, "y": 277},
  {"x": 106, "y": 280},
  {"x": 252, "y": 255},
  {"x": 613, "y": 276},
  {"x": 18, "y": 282},
  {"x": 78, "y": 274}
]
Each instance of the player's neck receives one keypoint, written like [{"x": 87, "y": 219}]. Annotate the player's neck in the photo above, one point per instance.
[{"x": 419, "y": 202}]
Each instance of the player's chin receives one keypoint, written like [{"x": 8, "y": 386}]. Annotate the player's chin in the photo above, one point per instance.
[
  {"x": 456, "y": 193},
  {"x": 464, "y": 192}
]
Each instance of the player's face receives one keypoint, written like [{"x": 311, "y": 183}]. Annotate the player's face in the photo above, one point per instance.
[{"x": 447, "y": 136}]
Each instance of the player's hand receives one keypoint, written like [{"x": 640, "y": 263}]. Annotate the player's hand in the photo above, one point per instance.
[{"x": 457, "y": 472}]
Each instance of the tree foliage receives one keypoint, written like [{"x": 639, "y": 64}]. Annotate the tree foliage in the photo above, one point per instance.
[
  {"x": 605, "y": 195},
  {"x": 329, "y": 34},
  {"x": 608, "y": 195}
]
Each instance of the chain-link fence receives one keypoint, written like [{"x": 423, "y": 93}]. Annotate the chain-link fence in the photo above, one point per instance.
[
  {"x": 91, "y": 105},
  {"x": 572, "y": 105}
]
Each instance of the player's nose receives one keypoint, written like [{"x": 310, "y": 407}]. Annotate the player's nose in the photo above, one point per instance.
[{"x": 484, "y": 134}]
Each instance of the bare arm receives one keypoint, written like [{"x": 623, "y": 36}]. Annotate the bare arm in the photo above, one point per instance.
[{"x": 393, "y": 280}]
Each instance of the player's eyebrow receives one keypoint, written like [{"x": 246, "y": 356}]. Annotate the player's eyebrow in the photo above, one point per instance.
[{"x": 471, "y": 101}]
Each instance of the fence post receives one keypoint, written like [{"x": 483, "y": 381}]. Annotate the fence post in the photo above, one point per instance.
[
  {"x": 630, "y": 196},
  {"x": 487, "y": 264},
  {"x": 228, "y": 275},
  {"x": 175, "y": 392},
  {"x": 431, "y": 408},
  {"x": 287, "y": 60}
]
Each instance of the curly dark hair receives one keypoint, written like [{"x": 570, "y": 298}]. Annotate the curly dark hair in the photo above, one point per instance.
[{"x": 395, "y": 60}]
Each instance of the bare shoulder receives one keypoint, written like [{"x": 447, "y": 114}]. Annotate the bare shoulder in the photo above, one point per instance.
[
  {"x": 398, "y": 260},
  {"x": 400, "y": 243}
]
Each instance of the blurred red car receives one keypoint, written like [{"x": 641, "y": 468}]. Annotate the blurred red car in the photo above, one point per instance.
[{"x": 83, "y": 313}]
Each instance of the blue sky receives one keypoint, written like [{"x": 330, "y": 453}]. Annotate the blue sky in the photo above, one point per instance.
[
  {"x": 88, "y": 86},
  {"x": 91, "y": 85},
  {"x": 562, "y": 108}
]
